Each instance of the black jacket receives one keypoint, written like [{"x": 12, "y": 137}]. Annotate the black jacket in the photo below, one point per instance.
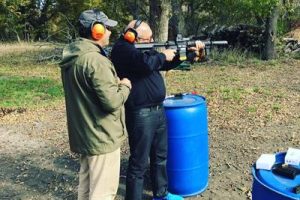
[{"x": 142, "y": 69}]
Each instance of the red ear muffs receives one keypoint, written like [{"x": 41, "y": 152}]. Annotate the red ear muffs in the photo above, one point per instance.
[
  {"x": 97, "y": 31},
  {"x": 130, "y": 35}
]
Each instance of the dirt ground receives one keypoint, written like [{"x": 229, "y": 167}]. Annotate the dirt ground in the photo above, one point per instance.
[{"x": 251, "y": 110}]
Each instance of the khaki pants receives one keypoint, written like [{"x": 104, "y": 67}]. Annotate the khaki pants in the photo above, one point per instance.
[{"x": 99, "y": 176}]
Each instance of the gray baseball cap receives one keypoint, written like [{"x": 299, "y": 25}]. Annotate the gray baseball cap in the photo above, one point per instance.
[{"x": 88, "y": 17}]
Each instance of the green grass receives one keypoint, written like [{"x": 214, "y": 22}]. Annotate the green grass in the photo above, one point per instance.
[
  {"x": 252, "y": 109},
  {"x": 244, "y": 59},
  {"x": 27, "y": 79},
  {"x": 231, "y": 93},
  {"x": 276, "y": 107},
  {"x": 233, "y": 56},
  {"x": 28, "y": 91}
]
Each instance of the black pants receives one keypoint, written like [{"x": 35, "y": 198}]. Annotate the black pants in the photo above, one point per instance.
[{"x": 147, "y": 132}]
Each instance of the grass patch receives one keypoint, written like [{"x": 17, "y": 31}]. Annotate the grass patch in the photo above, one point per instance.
[
  {"x": 252, "y": 109},
  {"x": 232, "y": 93},
  {"x": 22, "y": 55},
  {"x": 31, "y": 70},
  {"x": 276, "y": 107},
  {"x": 29, "y": 76},
  {"x": 23, "y": 92},
  {"x": 234, "y": 56},
  {"x": 242, "y": 59},
  {"x": 257, "y": 90}
]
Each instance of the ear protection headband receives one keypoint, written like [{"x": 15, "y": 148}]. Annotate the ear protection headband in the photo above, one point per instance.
[
  {"x": 97, "y": 28},
  {"x": 131, "y": 34}
]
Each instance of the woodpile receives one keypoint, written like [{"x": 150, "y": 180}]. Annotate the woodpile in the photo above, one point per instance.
[
  {"x": 292, "y": 46},
  {"x": 247, "y": 37},
  {"x": 292, "y": 42},
  {"x": 250, "y": 38}
]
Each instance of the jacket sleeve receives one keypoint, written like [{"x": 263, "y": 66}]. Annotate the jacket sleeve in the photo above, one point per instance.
[
  {"x": 105, "y": 83},
  {"x": 152, "y": 60},
  {"x": 146, "y": 61},
  {"x": 176, "y": 62},
  {"x": 171, "y": 65}
]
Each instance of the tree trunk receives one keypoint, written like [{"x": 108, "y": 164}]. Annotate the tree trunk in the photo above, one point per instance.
[
  {"x": 17, "y": 35},
  {"x": 269, "y": 51},
  {"x": 134, "y": 8},
  {"x": 159, "y": 19},
  {"x": 176, "y": 23}
]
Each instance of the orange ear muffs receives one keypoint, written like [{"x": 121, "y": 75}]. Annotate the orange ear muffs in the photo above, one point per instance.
[
  {"x": 130, "y": 35},
  {"x": 97, "y": 30}
]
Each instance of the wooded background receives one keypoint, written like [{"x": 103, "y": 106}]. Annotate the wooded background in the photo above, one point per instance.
[{"x": 56, "y": 20}]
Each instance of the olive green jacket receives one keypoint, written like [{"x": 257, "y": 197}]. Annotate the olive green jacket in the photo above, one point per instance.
[{"x": 94, "y": 99}]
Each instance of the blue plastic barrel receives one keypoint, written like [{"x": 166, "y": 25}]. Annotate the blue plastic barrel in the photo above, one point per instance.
[
  {"x": 188, "y": 157},
  {"x": 270, "y": 186}
]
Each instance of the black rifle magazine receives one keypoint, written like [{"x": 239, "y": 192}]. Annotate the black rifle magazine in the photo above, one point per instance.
[
  {"x": 286, "y": 171},
  {"x": 297, "y": 189}
]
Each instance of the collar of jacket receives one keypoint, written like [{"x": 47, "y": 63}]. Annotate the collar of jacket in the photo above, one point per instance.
[{"x": 102, "y": 52}]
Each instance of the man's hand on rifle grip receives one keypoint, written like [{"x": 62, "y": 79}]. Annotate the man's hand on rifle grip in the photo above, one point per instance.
[{"x": 169, "y": 53}]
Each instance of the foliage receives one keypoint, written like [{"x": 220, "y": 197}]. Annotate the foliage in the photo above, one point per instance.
[
  {"x": 289, "y": 17},
  {"x": 57, "y": 19},
  {"x": 207, "y": 15},
  {"x": 63, "y": 27},
  {"x": 226, "y": 12}
]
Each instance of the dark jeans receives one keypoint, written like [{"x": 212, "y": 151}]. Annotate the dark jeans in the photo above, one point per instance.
[{"x": 147, "y": 133}]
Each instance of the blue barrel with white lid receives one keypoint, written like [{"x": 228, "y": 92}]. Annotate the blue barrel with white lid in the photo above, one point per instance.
[
  {"x": 188, "y": 154},
  {"x": 268, "y": 185}
]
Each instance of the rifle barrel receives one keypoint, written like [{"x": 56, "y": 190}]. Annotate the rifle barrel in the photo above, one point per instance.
[
  {"x": 208, "y": 43},
  {"x": 173, "y": 43},
  {"x": 222, "y": 42},
  {"x": 149, "y": 45}
]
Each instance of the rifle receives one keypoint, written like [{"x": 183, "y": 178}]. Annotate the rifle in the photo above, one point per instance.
[{"x": 181, "y": 45}]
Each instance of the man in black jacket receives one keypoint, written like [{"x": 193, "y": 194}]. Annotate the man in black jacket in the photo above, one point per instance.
[{"x": 145, "y": 116}]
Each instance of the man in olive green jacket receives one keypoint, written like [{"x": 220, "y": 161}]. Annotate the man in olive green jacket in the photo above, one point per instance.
[{"x": 95, "y": 100}]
